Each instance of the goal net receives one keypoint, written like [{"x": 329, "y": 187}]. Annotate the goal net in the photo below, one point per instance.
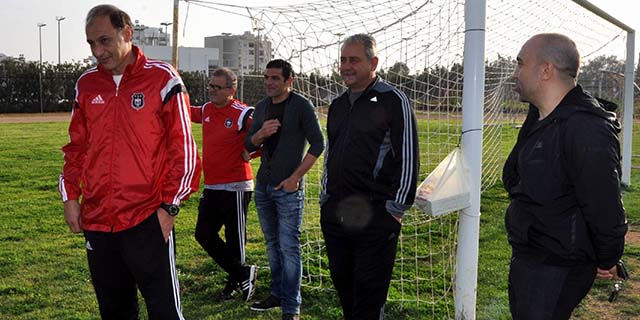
[{"x": 421, "y": 50}]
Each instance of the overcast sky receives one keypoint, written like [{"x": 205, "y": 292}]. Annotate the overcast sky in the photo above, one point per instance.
[{"x": 18, "y": 20}]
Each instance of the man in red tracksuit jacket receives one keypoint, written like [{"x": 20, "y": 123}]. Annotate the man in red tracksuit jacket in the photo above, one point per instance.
[
  {"x": 228, "y": 182},
  {"x": 132, "y": 159}
]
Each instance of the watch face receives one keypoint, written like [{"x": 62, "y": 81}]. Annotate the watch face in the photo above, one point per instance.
[{"x": 172, "y": 210}]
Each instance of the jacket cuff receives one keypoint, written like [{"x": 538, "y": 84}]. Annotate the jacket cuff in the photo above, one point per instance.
[
  {"x": 324, "y": 197},
  {"x": 70, "y": 197},
  {"x": 169, "y": 200},
  {"x": 250, "y": 146},
  {"x": 396, "y": 209},
  {"x": 607, "y": 264}
]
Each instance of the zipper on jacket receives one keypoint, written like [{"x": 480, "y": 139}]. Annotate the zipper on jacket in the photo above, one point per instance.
[
  {"x": 343, "y": 145},
  {"x": 112, "y": 129},
  {"x": 118, "y": 83}
]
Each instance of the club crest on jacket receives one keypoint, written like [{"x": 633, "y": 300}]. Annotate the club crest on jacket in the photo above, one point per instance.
[{"x": 137, "y": 101}]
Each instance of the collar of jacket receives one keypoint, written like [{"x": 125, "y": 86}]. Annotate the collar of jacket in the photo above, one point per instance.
[
  {"x": 268, "y": 102},
  {"x": 576, "y": 100},
  {"x": 141, "y": 60},
  {"x": 370, "y": 87}
]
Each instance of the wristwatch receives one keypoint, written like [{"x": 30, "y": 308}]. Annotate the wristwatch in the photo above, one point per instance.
[{"x": 171, "y": 209}]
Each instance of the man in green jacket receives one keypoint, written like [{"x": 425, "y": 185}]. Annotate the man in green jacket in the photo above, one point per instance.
[{"x": 282, "y": 125}]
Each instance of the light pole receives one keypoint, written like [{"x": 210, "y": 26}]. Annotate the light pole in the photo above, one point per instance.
[
  {"x": 206, "y": 66},
  {"x": 139, "y": 29},
  {"x": 166, "y": 24},
  {"x": 301, "y": 38},
  {"x": 256, "y": 64},
  {"x": 339, "y": 35},
  {"x": 59, "y": 18},
  {"x": 40, "y": 25},
  {"x": 426, "y": 55},
  {"x": 406, "y": 50}
]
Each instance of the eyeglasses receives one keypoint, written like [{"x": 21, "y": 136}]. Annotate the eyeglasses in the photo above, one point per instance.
[{"x": 217, "y": 87}]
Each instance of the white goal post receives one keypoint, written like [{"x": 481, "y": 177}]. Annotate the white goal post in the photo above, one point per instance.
[{"x": 473, "y": 101}]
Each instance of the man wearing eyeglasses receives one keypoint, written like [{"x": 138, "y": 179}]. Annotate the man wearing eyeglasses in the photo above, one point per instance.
[
  {"x": 284, "y": 123},
  {"x": 228, "y": 183}
]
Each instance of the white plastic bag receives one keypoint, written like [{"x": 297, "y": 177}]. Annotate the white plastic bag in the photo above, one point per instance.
[{"x": 446, "y": 189}]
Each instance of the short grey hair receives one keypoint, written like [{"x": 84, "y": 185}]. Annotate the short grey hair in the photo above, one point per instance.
[
  {"x": 369, "y": 43},
  {"x": 560, "y": 51},
  {"x": 119, "y": 19},
  {"x": 230, "y": 77}
]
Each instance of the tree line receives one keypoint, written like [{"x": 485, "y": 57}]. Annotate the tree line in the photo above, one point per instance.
[{"x": 437, "y": 85}]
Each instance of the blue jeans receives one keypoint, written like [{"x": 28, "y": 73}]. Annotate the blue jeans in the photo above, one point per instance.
[{"x": 280, "y": 215}]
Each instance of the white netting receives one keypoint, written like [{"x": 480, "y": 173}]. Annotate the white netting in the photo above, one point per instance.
[
  {"x": 420, "y": 46},
  {"x": 594, "y": 37}
]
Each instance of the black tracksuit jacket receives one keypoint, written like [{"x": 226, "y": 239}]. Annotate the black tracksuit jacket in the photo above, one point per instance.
[
  {"x": 372, "y": 148},
  {"x": 563, "y": 178}
]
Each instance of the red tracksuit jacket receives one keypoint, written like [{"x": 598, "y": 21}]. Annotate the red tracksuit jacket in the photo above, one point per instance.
[
  {"x": 130, "y": 145},
  {"x": 223, "y": 133}
]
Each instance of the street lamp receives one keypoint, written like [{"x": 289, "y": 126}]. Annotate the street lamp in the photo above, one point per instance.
[
  {"x": 166, "y": 24},
  {"x": 139, "y": 29},
  {"x": 40, "y": 25},
  {"x": 406, "y": 50},
  {"x": 426, "y": 55},
  {"x": 59, "y": 18},
  {"x": 206, "y": 66},
  {"x": 339, "y": 35},
  {"x": 301, "y": 38},
  {"x": 256, "y": 64}
]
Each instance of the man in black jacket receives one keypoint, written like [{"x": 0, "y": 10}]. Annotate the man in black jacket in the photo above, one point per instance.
[
  {"x": 565, "y": 223},
  {"x": 370, "y": 173}
]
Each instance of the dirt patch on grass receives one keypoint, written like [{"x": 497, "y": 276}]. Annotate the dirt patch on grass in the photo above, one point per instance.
[
  {"x": 35, "y": 117},
  {"x": 633, "y": 238}
]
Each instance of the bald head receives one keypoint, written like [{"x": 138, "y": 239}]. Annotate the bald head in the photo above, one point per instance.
[
  {"x": 558, "y": 50},
  {"x": 547, "y": 70}
]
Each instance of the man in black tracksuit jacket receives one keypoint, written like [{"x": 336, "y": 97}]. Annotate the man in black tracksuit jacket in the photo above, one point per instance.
[
  {"x": 370, "y": 173},
  {"x": 565, "y": 222}
]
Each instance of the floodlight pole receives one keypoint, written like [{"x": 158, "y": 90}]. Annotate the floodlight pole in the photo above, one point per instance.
[
  {"x": 339, "y": 35},
  {"x": 59, "y": 18},
  {"x": 472, "y": 129},
  {"x": 40, "y": 25},
  {"x": 406, "y": 49},
  {"x": 301, "y": 38},
  {"x": 166, "y": 24},
  {"x": 256, "y": 49}
]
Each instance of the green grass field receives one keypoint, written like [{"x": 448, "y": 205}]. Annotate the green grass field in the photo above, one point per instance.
[{"x": 44, "y": 275}]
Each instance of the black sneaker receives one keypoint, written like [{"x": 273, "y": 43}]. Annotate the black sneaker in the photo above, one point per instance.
[
  {"x": 248, "y": 285},
  {"x": 266, "y": 304},
  {"x": 290, "y": 316},
  {"x": 229, "y": 292}
]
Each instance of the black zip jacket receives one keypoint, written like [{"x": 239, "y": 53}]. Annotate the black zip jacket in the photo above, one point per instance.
[
  {"x": 372, "y": 148},
  {"x": 563, "y": 178}
]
